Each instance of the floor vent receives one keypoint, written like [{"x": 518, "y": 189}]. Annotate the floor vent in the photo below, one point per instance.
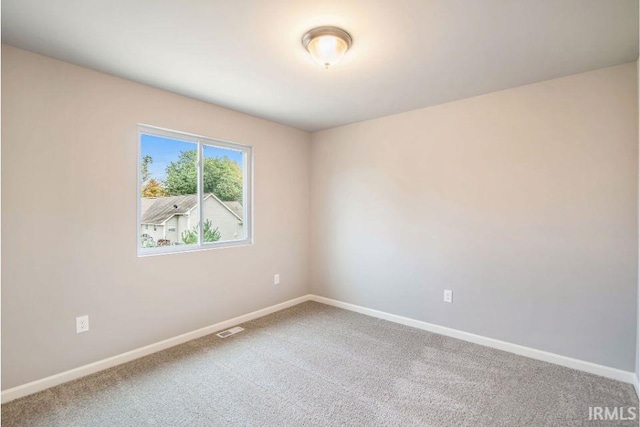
[{"x": 230, "y": 332}]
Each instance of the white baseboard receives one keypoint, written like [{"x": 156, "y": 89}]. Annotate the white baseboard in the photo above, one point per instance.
[
  {"x": 580, "y": 365},
  {"x": 63, "y": 377}
]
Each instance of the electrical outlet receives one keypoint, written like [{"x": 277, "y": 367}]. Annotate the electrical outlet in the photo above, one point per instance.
[
  {"x": 82, "y": 324},
  {"x": 448, "y": 295},
  {"x": 276, "y": 279}
]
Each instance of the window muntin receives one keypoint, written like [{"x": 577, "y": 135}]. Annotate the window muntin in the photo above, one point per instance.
[{"x": 183, "y": 178}]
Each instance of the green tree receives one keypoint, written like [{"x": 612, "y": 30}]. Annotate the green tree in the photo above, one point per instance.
[
  {"x": 211, "y": 234},
  {"x": 222, "y": 176},
  {"x": 182, "y": 175},
  {"x": 146, "y": 161},
  {"x": 190, "y": 237}
]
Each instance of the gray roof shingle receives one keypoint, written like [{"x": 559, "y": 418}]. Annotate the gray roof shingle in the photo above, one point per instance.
[
  {"x": 156, "y": 210},
  {"x": 235, "y": 207},
  {"x": 164, "y": 208}
]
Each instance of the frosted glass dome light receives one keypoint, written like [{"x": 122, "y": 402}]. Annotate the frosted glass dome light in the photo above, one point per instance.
[{"x": 327, "y": 45}]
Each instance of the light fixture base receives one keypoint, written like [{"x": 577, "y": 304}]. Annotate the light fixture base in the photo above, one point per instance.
[{"x": 326, "y": 31}]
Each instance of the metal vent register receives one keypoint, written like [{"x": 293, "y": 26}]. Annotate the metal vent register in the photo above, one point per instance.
[{"x": 229, "y": 332}]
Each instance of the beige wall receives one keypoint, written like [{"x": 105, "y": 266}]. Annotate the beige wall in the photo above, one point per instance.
[
  {"x": 523, "y": 202},
  {"x": 69, "y": 142}
]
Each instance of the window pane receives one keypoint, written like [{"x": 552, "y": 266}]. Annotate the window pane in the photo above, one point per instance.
[
  {"x": 168, "y": 192},
  {"x": 222, "y": 198}
]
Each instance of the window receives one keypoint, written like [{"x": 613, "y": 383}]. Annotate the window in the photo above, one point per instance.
[{"x": 193, "y": 191}]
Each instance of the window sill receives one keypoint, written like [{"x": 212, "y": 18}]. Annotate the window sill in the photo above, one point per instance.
[{"x": 171, "y": 250}]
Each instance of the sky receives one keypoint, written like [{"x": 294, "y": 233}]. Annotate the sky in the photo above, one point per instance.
[{"x": 167, "y": 150}]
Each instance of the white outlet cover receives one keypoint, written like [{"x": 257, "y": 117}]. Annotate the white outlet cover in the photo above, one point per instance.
[
  {"x": 82, "y": 324},
  {"x": 276, "y": 279},
  {"x": 448, "y": 295}
]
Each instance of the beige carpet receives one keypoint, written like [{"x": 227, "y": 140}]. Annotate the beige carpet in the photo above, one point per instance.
[{"x": 315, "y": 365}]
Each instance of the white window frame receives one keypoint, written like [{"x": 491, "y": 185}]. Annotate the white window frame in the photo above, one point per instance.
[{"x": 247, "y": 188}]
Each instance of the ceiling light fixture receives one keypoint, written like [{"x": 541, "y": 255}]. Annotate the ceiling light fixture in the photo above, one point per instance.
[{"x": 327, "y": 45}]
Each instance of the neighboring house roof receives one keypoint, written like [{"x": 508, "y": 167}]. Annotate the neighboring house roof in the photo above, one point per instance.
[
  {"x": 145, "y": 204},
  {"x": 235, "y": 207},
  {"x": 164, "y": 208},
  {"x": 157, "y": 210}
]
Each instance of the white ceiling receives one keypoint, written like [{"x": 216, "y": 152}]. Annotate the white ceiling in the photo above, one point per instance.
[{"x": 407, "y": 54}]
